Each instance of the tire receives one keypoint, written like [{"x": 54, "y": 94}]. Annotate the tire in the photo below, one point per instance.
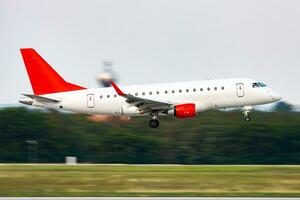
[
  {"x": 153, "y": 123},
  {"x": 247, "y": 119}
]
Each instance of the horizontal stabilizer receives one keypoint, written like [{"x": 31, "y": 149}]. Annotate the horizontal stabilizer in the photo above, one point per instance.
[{"x": 41, "y": 98}]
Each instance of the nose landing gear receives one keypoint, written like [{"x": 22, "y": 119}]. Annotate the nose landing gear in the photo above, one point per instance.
[
  {"x": 246, "y": 114},
  {"x": 247, "y": 118}
]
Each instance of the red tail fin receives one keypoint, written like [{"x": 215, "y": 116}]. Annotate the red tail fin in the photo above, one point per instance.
[{"x": 44, "y": 79}]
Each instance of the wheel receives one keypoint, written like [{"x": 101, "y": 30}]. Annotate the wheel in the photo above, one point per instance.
[
  {"x": 247, "y": 119},
  {"x": 153, "y": 123}
]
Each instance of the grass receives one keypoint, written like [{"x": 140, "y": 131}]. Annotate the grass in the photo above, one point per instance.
[{"x": 154, "y": 180}]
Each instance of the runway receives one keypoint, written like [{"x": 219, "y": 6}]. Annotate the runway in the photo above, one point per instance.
[{"x": 144, "y": 198}]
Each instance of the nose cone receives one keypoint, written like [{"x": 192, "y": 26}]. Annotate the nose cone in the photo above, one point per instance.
[{"x": 275, "y": 96}]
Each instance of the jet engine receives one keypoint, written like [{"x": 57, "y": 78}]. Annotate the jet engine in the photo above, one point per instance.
[{"x": 184, "y": 110}]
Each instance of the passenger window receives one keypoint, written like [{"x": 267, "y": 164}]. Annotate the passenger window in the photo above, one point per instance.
[
  {"x": 101, "y": 96},
  {"x": 143, "y": 93},
  {"x": 173, "y": 91},
  {"x": 150, "y": 93},
  {"x": 201, "y": 89},
  {"x": 166, "y": 92},
  {"x": 216, "y": 88},
  {"x": 180, "y": 91},
  {"x": 208, "y": 89},
  {"x": 222, "y": 88},
  {"x": 194, "y": 90},
  {"x": 136, "y": 94},
  {"x": 187, "y": 90},
  {"x": 157, "y": 92},
  {"x": 108, "y": 96},
  {"x": 115, "y": 96}
]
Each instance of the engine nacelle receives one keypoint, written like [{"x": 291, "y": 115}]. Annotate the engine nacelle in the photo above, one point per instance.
[{"x": 184, "y": 110}]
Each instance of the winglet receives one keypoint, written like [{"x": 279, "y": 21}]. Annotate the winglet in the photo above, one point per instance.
[{"x": 118, "y": 90}]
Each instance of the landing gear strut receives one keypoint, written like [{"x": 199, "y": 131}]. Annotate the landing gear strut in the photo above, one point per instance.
[
  {"x": 246, "y": 114},
  {"x": 154, "y": 123}
]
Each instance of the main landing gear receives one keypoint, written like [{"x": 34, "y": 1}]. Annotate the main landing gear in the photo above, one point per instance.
[
  {"x": 154, "y": 123},
  {"x": 246, "y": 114}
]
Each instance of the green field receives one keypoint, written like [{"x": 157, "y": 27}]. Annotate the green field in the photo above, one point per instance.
[{"x": 149, "y": 180}]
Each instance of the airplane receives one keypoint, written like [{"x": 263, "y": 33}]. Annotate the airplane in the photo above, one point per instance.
[{"x": 181, "y": 99}]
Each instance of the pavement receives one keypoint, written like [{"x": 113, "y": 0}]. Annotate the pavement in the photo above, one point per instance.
[{"x": 143, "y": 198}]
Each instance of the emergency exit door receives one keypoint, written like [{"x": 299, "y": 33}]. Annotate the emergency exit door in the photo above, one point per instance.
[
  {"x": 240, "y": 89},
  {"x": 90, "y": 100}
]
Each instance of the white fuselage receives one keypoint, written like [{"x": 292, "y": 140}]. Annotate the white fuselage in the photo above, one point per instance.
[{"x": 206, "y": 94}]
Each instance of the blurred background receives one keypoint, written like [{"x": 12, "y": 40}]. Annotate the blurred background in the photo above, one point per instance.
[
  {"x": 136, "y": 42},
  {"x": 211, "y": 138}
]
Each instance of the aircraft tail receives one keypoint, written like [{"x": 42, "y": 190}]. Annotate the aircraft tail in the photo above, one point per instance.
[{"x": 44, "y": 79}]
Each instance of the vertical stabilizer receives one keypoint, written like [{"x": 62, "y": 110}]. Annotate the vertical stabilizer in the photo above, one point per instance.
[{"x": 44, "y": 79}]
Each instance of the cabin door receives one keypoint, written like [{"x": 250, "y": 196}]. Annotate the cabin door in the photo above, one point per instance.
[
  {"x": 90, "y": 100},
  {"x": 240, "y": 89}
]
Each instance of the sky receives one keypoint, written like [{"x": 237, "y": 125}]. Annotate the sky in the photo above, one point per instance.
[{"x": 153, "y": 41}]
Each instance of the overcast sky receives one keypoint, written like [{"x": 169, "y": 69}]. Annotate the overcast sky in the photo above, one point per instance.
[{"x": 153, "y": 41}]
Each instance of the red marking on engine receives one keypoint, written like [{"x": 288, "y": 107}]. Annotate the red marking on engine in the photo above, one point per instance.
[{"x": 185, "y": 110}]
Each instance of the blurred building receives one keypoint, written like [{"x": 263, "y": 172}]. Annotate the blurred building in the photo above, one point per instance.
[
  {"x": 107, "y": 74},
  {"x": 104, "y": 80}
]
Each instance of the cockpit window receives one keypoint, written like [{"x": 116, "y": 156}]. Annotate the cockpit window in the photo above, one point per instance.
[
  {"x": 262, "y": 84},
  {"x": 256, "y": 85}
]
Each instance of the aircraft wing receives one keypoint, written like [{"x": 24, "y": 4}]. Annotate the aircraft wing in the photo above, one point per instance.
[{"x": 144, "y": 105}]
